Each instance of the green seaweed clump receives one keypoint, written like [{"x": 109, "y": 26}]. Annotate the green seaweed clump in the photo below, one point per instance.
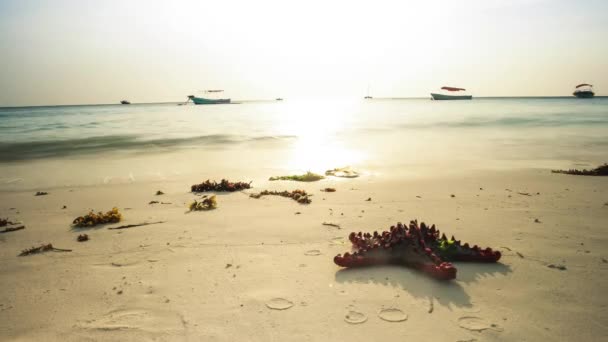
[
  {"x": 208, "y": 203},
  {"x": 93, "y": 219},
  {"x": 307, "y": 177}
]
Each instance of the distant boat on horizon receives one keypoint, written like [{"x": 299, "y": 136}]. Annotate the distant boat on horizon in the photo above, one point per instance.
[
  {"x": 125, "y": 102},
  {"x": 453, "y": 94},
  {"x": 206, "y": 101},
  {"x": 584, "y": 91},
  {"x": 279, "y": 99},
  {"x": 368, "y": 96}
]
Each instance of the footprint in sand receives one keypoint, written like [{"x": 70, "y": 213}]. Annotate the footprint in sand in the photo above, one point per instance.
[
  {"x": 355, "y": 317},
  {"x": 392, "y": 315},
  {"x": 138, "y": 320},
  {"x": 279, "y": 304},
  {"x": 313, "y": 252},
  {"x": 337, "y": 241},
  {"x": 473, "y": 323}
]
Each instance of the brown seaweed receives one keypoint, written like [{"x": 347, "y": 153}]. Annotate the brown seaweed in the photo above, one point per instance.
[
  {"x": 223, "y": 186},
  {"x": 93, "y": 219},
  {"x": 601, "y": 170},
  {"x": 300, "y": 196},
  {"x": 82, "y": 238},
  {"x": 41, "y": 249},
  {"x": 136, "y": 225},
  {"x": 41, "y": 193},
  {"x": 11, "y": 229},
  {"x": 328, "y": 190},
  {"x": 5, "y": 222}
]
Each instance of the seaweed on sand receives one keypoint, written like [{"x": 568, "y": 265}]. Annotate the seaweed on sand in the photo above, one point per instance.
[
  {"x": 307, "y": 177},
  {"x": 5, "y": 222},
  {"x": 601, "y": 170},
  {"x": 41, "y": 249},
  {"x": 345, "y": 172},
  {"x": 93, "y": 219},
  {"x": 208, "y": 203},
  {"x": 300, "y": 196},
  {"x": 223, "y": 186}
]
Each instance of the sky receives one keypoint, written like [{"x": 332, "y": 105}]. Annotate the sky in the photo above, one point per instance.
[{"x": 86, "y": 52}]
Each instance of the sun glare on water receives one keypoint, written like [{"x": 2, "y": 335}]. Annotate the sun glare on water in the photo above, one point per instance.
[{"x": 319, "y": 126}]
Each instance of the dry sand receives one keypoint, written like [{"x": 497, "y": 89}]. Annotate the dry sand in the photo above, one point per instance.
[{"x": 255, "y": 270}]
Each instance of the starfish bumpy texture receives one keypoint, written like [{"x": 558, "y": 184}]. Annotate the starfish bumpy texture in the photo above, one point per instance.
[{"x": 417, "y": 246}]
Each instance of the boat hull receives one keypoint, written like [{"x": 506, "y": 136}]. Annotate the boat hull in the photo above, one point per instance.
[
  {"x": 584, "y": 94},
  {"x": 451, "y": 97},
  {"x": 204, "y": 101}
]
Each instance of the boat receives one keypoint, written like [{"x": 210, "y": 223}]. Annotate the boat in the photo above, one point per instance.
[
  {"x": 125, "y": 102},
  {"x": 452, "y": 94},
  {"x": 279, "y": 99},
  {"x": 206, "y": 100},
  {"x": 368, "y": 96},
  {"x": 584, "y": 91}
]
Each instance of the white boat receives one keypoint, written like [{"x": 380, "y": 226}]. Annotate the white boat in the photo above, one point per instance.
[
  {"x": 584, "y": 91},
  {"x": 206, "y": 100},
  {"x": 452, "y": 93}
]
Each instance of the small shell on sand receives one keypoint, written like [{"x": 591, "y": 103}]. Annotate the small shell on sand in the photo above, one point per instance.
[
  {"x": 279, "y": 304},
  {"x": 392, "y": 315},
  {"x": 312, "y": 252},
  {"x": 354, "y": 317},
  {"x": 473, "y": 323}
]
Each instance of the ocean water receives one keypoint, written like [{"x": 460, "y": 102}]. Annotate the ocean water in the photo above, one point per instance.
[{"x": 317, "y": 134}]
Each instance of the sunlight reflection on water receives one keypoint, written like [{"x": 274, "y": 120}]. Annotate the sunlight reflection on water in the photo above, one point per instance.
[{"x": 319, "y": 126}]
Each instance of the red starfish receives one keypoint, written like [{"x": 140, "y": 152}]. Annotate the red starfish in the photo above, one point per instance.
[{"x": 416, "y": 246}]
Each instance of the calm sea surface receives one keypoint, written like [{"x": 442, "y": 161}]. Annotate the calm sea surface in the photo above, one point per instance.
[{"x": 347, "y": 131}]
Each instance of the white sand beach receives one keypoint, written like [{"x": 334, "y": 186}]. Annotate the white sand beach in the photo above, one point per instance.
[{"x": 215, "y": 275}]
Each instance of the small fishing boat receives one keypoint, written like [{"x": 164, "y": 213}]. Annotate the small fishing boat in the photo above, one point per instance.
[
  {"x": 453, "y": 93},
  {"x": 584, "y": 91},
  {"x": 206, "y": 100},
  {"x": 279, "y": 99},
  {"x": 125, "y": 102},
  {"x": 368, "y": 96}
]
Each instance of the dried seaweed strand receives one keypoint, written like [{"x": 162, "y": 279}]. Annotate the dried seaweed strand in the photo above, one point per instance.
[
  {"x": 136, "y": 225},
  {"x": 41, "y": 249},
  {"x": 11, "y": 229},
  {"x": 300, "y": 196}
]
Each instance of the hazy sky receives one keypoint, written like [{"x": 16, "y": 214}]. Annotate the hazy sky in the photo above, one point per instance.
[{"x": 72, "y": 52}]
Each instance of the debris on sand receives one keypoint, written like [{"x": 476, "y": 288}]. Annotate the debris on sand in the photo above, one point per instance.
[
  {"x": 536, "y": 220},
  {"x": 93, "y": 219},
  {"x": 11, "y": 229},
  {"x": 369, "y": 199},
  {"x": 158, "y": 193},
  {"x": 601, "y": 170},
  {"x": 329, "y": 190},
  {"x": 223, "y": 186},
  {"x": 300, "y": 196},
  {"x": 41, "y": 249},
  {"x": 82, "y": 238},
  {"x": 5, "y": 222},
  {"x": 559, "y": 267},
  {"x": 331, "y": 225},
  {"x": 344, "y": 172},
  {"x": 452, "y": 195},
  {"x": 41, "y": 193},
  {"x": 154, "y": 202},
  {"x": 136, "y": 225},
  {"x": 524, "y": 193},
  {"x": 208, "y": 203},
  {"x": 307, "y": 177}
]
